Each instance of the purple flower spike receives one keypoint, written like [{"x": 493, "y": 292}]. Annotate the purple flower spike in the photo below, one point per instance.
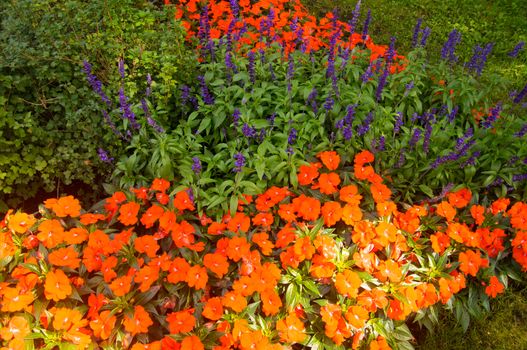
[
  {"x": 292, "y": 136},
  {"x": 354, "y": 17},
  {"x": 95, "y": 83},
  {"x": 517, "y": 49},
  {"x": 196, "y": 165},
  {"x": 449, "y": 48},
  {"x": 205, "y": 93},
  {"x": 103, "y": 156},
  {"x": 239, "y": 162},
  {"x": 417, "y": 30},
  {"x": 121, "y": 68},
  {"x": 366, "y": 25}
]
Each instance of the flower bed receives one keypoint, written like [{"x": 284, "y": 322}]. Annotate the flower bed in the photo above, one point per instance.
[{"x": 336, "y": 264}]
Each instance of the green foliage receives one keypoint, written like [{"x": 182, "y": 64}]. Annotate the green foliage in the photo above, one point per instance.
[
  {"x": 50, "y": 123},
  {"x": 278, "y": 102}
]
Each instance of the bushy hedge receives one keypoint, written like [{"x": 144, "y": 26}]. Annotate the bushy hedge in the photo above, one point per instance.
[{"x": 50, "y": 125}]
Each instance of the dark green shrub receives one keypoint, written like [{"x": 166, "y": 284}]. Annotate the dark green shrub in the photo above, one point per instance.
[{"x": 50, "y": 121}]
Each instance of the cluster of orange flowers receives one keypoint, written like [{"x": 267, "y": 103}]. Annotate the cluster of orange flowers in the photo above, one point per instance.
[
  {"x": 265, "y": 277},
  {"x": 291, "y": 24}
]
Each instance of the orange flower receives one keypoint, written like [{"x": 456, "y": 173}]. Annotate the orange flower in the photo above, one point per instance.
[
  {"x": 65, "y": 257},
  {"x": 16, "y": 328},
  {"x": 380, "y": 192},
  {"x": 20, "y": 222},
  {"x": 351, "y": 214},
  {"x": 440, "y": 242},
  {"x": 379, "y": 344},
  {"x": 470, "y": 262},
  {"x": 271, "y": 302},
  {"x": 350, "y": 194},
  {"x": 499, "y": 205},
  {"x": 68, "y": 319},
  {"x": 364, "y": 157},
  {"x": 146, "y": 276},
  {"x": 103, "y": 325},
  {"x": 217, "y": 263},
  {"x": 147, "y": 244},
  {"x": 182, "y": 201},
  {"x": 287, "y": 212},
  {"x": 389, "y": 269},
  {"x": 50, "y": 233},
  {"x": 240, "y": 222},
  {"x": 14, "y": 300},
  {"x": 160, "y": 185},
  {"x": 238, "y": 248},
  {"x": 235, "y": 301},
  {"x": 90, "y": 218},
  {"x": 478, "y": 213},
  {"x": 308, "y": 208},
  {"x": 330, "y": 159},
  {"x": 357, "y": 316},
  {"x": 151, "y": 215},
  {"x": 446, "y": 210},
  {"x": 495, "y": 287},
  {"x": 373, "y": 299},
  {"x": 213, "y": 309},
  {"x": 181, "y": 322},
  {"x": 263, "y": 242},
  {"x": 460, "y": 199},
  {"x": 263, "y": 219},
  {"x": 197, "y": 277},
  {"x": 308, "y": 173},
  {"x": 291, "y": 329},
  {"x": 121, "y": 285},
  {"x": 192, "y": 342},
  {"x": 64, "y": 206},
  {"x": 327, "y": 183},
  {"x": 128, "y": 213},
  {"x": 57, "y": 285},
  {"x": 178, "y": 271},
  {"x": 76, "y": 235},
  {"x": 347, "y": 283},
  {"x": 139, "y": 323}
]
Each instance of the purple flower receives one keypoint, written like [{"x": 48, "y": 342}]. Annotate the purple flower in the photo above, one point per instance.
[
  {"x": 126, "y": 110},
  {"x": 248, "y": 131},
  {"x": 350, "y": 112},
  {"x": 522, "y": 131},
  {"x": 408, "y": 87},
  {"x": 148, "y": 90},
  {"x": 382, "y": 83},
  {"x": 292, "y": 136},
  {"x": 205, "y": 93},
  {"x": 235, "y": 8},
  {"x": 447, "y": 53},
  {"x": 366, "y": 25},
  {"x": 417, "y": 29},
  {"x": 95, "y": 83},
  {"x": 390, "y": 54},
  {"x": 347, "y": 132},
  {"x": 103, "y": 156},
  {"x": 121, "y": 68},
  {"x": 252, "y": 72},
  {"x": 520, "y": 95},
  {"x": 149, "y": 119},
  {"x": 494, "y": 114},
  {"x": 479, "y": 58},
  {"x": 367, "y": 75},
  {"x": 519, "y": 47},
  {"x": 236, "y": 116},
  {"x": 398, "y": 123},
  {"x": 196, "y": 165},
  {"x": 271, "y": 119},
  {"x": 354, "y": 17},
  {"x": 239, "y": 162},
  {"x": 328, "y": 105},
  {"x": 363, "y": 129},
  {"x": 416, "y": 135},
  {"x": 426, "y": 140},
  {"x": 453, "y": 114},
  {"x": 426, "y": 34},
  {"x": 402, "y": 158},
  {"x": 111, "y": 124},
  {"x": 290, "y": 72},
  {"x": 230, "y": 64},
  {"x": 312, "y": 100}
]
